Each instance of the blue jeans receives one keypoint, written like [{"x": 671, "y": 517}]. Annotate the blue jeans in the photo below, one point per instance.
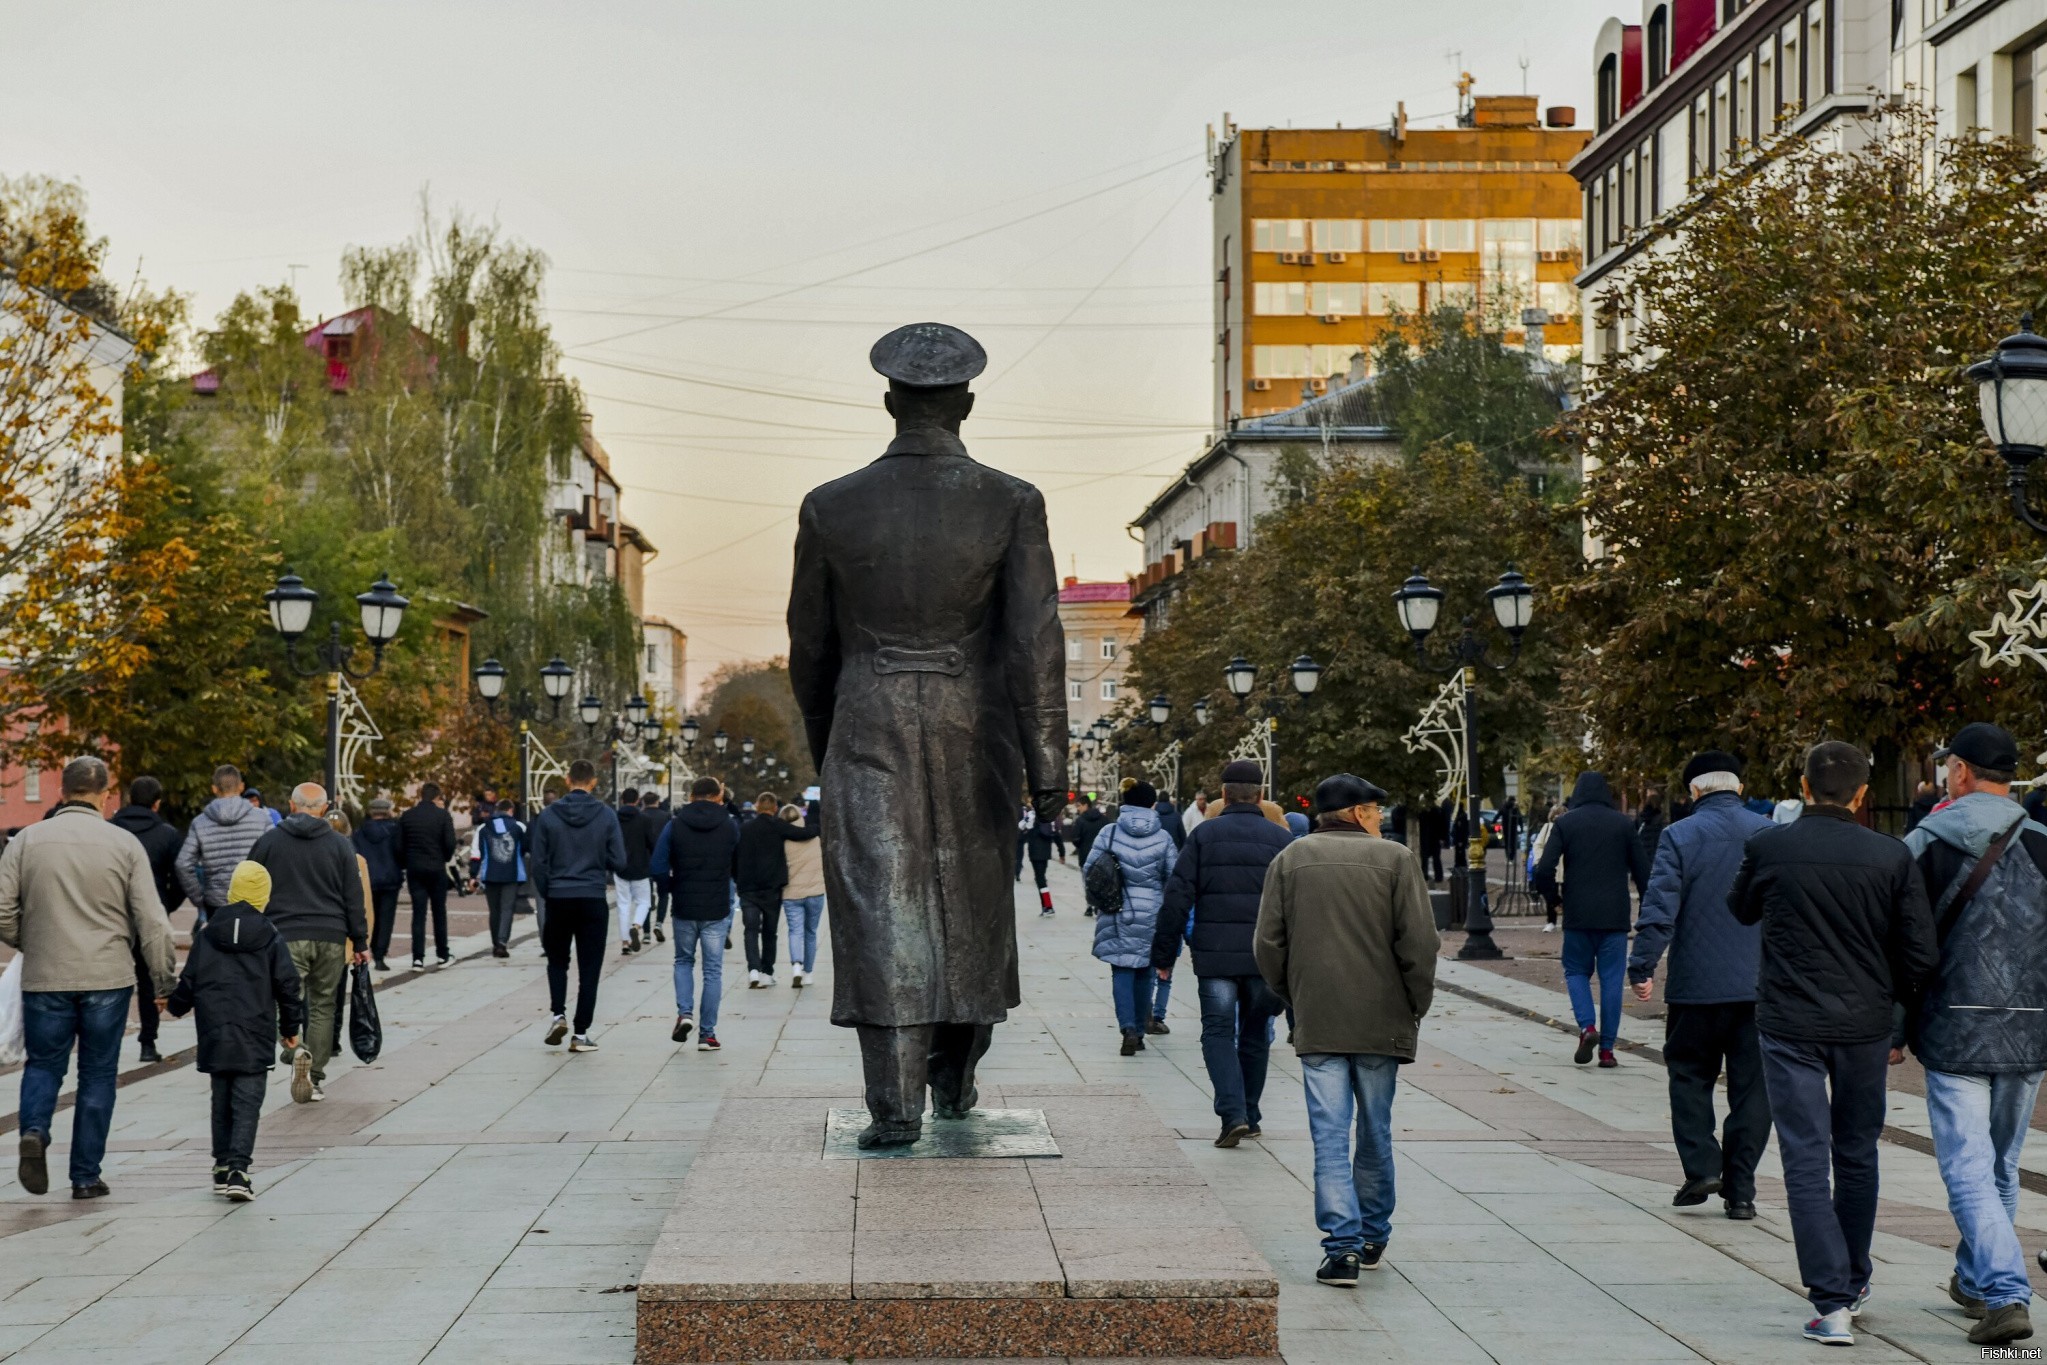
[
  {"x": 1236, "y": 1039},
  {"x": 50, "y": 1021},
  {"x": 1353, "y": 1193},
  {"x": 690, "y": 936},
  {"x": 1161, "y": 991},
  {"x": 1827, "y": 1101},
  {"x": 1979, "y": 1128},
  {"x": 1131, "y": 988},
  {"x": 802, "y": 916},
  {"x": 1604, "y": 950}
]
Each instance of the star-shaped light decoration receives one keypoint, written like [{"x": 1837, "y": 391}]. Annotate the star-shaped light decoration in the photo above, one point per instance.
[{"x": 2018, "y": 633}]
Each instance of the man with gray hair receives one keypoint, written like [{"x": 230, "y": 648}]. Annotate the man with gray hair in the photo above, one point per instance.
[
  {"x": 219, "y": 838},
  {"x": 1711, "y": 987},
  {"x": 75, "y": 893},
  {"x": 316, "y": 906}
]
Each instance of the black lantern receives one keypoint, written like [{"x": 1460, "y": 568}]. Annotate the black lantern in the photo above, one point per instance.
[
  {"x": 1513, "y": 603},
  {"x": 1240, "y": 676},
  {"x": 746, "y": 746},
  {"x": 490, "y": 681},
  {"x": 555, "y": 678},
  {"x": 383, "y": 611},
  {"x": 1419, "y": 602},
  {"x": 291, "y": 605},
  {"x": 2011, "y": 388},
  {"x": 690, "y": 730},
  {"x": 1161, "y": 709},
  {"x": 1307, "y": 675},
  {"x": 636, "y": 710},
  {"x": 590, "y": 709},
  {"x": 1201, "y": 716},
  {"x": 720, "y": 740}
]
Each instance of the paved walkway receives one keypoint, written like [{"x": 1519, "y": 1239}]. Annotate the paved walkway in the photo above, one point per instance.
[{"x": 475, "y": 1196}]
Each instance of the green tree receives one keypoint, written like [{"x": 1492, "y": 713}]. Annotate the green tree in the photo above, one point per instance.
[
  {"x": 1797, "y": 518},
  {"x": 754, "y": 698},
  {"x": 1442, "y": 380}
]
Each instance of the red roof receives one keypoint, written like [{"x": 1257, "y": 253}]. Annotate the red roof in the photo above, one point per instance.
[{"x": 1094, "y": 592}]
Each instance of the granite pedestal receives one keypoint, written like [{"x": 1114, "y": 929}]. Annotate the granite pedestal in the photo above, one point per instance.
[{"x": 1116, "y": 1247}]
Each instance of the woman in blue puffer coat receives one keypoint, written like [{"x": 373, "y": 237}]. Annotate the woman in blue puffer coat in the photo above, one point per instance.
[{"x": 1123, "y": 938}]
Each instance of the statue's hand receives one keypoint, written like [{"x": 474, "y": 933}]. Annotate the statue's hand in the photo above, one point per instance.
[{"x": 1048, "y": 805}]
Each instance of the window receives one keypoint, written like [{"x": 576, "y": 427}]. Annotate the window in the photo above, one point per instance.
[
  {"x": 1108, "y": 689},
  {"x": 1767, "y": 99},
  {"x": 1702, "y": 137},
  {"x": 2025, "y": 104},
  {"x": 1659, "y": 45},
  {"x": 1339, "y": 234},
  {"x": 1624, "y": 200},
  {"x": 1791, "y": 73},
  {"x": 1558, "y": 298},
  {"x": 1073, "y": 649},
  {"x": 1453, "y": 234},
  {"x": 1279, "y": 234},
  {"x": 653, "y": 658},
  {"x": 1332, "y": 361},
  {"x": 1609, "y": 96},
  {"x": 1558, "y": 234},
  {"x": 1396, "y": 234},
  {"x": 1279, "y": 362},
  {"x": 1510, "y": 247},
  {"x": 1595, "y": 205},
  {"x": 1279, "y": 298},
  {"x": 1744, "y": 101},
  {"x": 1073, "y": 692},
  {"x": 1721, "y": 127},
  {"x": 1333, "y": 300},
  {"x": 1108, "y": 646},
  {"x": 1393, "y": 297},
  {"x": 1459, "y": 294},
  {"x": 1509, "y": 230},
  {"x": 1673, "y": 164},
  {"x": 1817, "y": 82},
  {"x": 1966, "y": 116},
  {"x": 32, "y": 786}
]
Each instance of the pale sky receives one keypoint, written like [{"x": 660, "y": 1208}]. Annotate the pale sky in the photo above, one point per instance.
[{"x": 724, "y": 191}]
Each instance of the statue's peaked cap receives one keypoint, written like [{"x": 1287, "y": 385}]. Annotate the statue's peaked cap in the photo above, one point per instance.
[{"x": 928, "y": 355}]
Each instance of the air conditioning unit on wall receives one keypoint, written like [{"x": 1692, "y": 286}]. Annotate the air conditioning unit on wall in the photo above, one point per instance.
[
  {"x": 1332, "y": 317},
  {"x": 1261, "y": 385},
  {"x": 1334, "y": 257},
  {"x": 1410, "y": 255}
]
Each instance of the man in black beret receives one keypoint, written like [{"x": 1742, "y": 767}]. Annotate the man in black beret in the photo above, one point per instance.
[
  {"x": 927, "y": 658},
  {"x": 1711, "y": 986}
]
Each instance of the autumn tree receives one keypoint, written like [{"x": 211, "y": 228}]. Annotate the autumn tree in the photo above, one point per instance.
[
  {"x": 1442, "y": 379},
  {"x": 753, "y": 698}
]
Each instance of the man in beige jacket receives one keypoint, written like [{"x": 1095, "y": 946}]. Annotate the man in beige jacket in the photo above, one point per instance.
[
  {"x": 78, "y": 901},
  {"x": 1346, "y": 936}
]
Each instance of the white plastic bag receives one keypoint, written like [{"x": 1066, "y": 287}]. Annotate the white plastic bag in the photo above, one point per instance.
[{"x": 12, "y": 1046}]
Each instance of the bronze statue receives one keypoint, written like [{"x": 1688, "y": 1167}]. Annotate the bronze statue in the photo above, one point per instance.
[{"x": 927, "y": 657}]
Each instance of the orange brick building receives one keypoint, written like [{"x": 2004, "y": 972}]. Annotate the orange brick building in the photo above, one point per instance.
[{"x": 1323, "y": 236}]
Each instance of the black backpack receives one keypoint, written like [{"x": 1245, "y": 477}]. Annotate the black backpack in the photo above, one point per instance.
[{"x": 1103, "y": 879}]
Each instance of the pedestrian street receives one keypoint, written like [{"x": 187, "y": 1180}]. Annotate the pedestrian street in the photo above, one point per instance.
[{"x": 476, "y": 1196}]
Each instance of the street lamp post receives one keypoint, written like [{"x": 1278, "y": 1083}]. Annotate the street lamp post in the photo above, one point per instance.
[
  {"x": 1240, "y": 676},
  {"x": 382, "y": 611},
  {"x": 1513, "y": 601},
  {"x": 555, "y": 678},
  {"x": 2011, "y": 388}
]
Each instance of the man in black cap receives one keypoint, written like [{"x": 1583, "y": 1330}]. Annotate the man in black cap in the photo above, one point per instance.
[
  {"x": 1711, "y": 989},
  {"x": 1346, "y": 936},
  {"x": 927, "y": 658},
  {"x": 1981, "y": 1033},
  {"x": 1218, "y": 880}
]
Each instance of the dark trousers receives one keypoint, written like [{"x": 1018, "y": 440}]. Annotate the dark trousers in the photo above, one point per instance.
[
  {"x": 503, "y": 899},
  {"x": 762, "y": 912},
  {"x": 1236, "y": 1042},
  {"x": 1699, "y": 1041},
  {"x": 237, "y": 1104},
  {"x": 1038, "y": 866},
  {"x": 660, "y": 902},
  {"x": 429, "y": 891},
  {"x": 584, "y": 923},
  {"x": 1432, "y": 860},
  {"x": 384, "y": 900},
  {"x": 1827, "y": 1100},
  {"x": 146, "y": 1013}
]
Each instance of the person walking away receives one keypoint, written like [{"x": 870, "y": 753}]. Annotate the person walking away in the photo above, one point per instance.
[
  {"x": 1123, "y": 937},
  {"x": 272, "y": 817},
  {"x": 1435, "y": 832},
  {"x": 1346, "y": 936},
  {"x": 1710, "y": 988},
  {"x": 634, "y": 894},
  {"x": 502, "y": 872},
  {"x": 316, "y": 906},
  {"x": 218, "y": 840},
  {"x": 696, "y": 857},
  {"x": 1981, "y": 1032},
  {"x": 379, "y": 843},
  {"x": 653, "y": 821},
  {"x": 1218, "y": 879},
  {"x": 1600, "y": 853},
  {"x": 1847, "y": 936},
  {"x": 1552, "y": 897},
  {"x": 761, "y": 871},
  {"x": 75, "y": 892},
  {"x": 161, "y": 841},
  {"x": 1038, "y": 840},
  {"x": 1086, "y": 826},
  {"x": 803, "y": 897},
  {"x": 1650, "y": 824},
  {"x": 577, "y": 849},
  {"x": 427, "y": 834},
  {"x": 1171, "y": 822},
  {"x": 241, "y": 981},
  {"x": 338, "y": 821}
]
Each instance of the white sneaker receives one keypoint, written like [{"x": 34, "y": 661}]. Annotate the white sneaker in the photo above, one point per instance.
[
  {"x": 1549, "y": 928},
  {"x": 557, "y": 1030},
  {"x": 582, "y": 1042},
  {"x": 302, "y": 1077},
  {"x": 1831, "y": 1329},
  {"x": 318, "y": 1094}
]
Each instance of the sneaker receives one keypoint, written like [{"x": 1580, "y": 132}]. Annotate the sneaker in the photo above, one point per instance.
[
  {"x": 1861, "y": 1302},
  {"x": 301, "y": 1077},
  {"x": 1371, "y": 1255},
  {"x": 680, "y": 1033},
  {"x": 1232, "y": 1134},
  {"x": 238, "y": 1187},
  {"x": 443, "y": 961},
  {"x": 1255, "y": 1133},
  {"x": 1045, "y": 913},
  {"x": 1588, "y": 1039},
  {"x": 150, "y": 1054},
  {"x": 557, "y": 1030},
  {"x": 625, "y": 947},
  {"x": 707, "y": 1041},
  {"x": 1088, "y": 913},
  {"x": 318, "y": 1093},
  {"x": 1340, "y": 1271},
  {"x": 2012, "y": 1322},
  {"x": 635, "y": 940},
  {"x": 1606, "y": 1057},
  {"x": 1157, "y": 1026},
  {"x": 796, "y": 979},
  {"x": 1971, "y": 1306},
  {"x": 220, "y": 1180},
  {"x": 1831, "y": 1329},
  {"x": 659, "y": 937},
  {"x": 582, "y": 1042},
  {"x": 98, "y": 1190},
  {"x": 419, "y": 964},
  {"x": 1549, "y": 928},
  {"x": 34, "y": 1171}
]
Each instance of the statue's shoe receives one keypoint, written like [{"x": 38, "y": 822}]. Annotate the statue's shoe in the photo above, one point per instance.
[
  {"x": 890, "y": 1135},
  {"x": 954, "y": 1107}
]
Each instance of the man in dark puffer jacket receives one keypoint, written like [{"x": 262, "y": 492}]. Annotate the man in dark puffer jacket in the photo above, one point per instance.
[
  {"x": 1219, "y": 879},
  {"x": 1846, "y": 935},
  {"x": 1982, "y": 1032}
]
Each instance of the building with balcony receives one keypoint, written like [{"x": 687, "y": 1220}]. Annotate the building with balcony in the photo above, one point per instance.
[
  {"x": 1099, "y": 632},
  {"x": 589, "y": 543},
  {"x": 1324, "y": 236}
]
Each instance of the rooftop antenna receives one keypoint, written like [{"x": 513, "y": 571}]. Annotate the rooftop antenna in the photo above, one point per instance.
[
  {"x": 294, "y": 271},
  {"x": 1524, "y": 73}
]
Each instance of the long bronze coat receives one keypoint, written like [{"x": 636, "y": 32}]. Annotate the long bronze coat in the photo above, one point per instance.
[{"x": 927, "y": 657}]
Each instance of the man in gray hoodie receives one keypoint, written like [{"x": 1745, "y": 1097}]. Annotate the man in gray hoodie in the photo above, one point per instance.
[
  {"x": 316, "y": 906},
  {"x": 577, "y": 850},
  {"x": 220, "y": 838}
]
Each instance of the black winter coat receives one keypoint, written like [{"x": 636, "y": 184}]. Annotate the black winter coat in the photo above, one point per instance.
[
  {"x": 1086, "y": 826},
  {"x": 427, "y": 833},
  {"x": 1219, "y": 878},
  {"x": 696, "y": 858},
  {"x": 1601, "y": 855},
  {"x": 239, "y": 976},
  {"x": 1847, "y": 931},
  {"x": 380, "y": 844},
  {"x": 161, "y": 841},
  {"x": 640, "y": 827},
  {"x": 315, "y": 885},
  {"x": 761, "y": 866}
]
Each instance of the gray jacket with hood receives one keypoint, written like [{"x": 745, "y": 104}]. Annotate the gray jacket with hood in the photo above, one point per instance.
[
  {"x": 221, "y": 837},
  {"x": 1986, "y": 1012},
  {"x": 577, "y": 848}
]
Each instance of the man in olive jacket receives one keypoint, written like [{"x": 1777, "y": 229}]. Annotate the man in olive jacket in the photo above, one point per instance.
[{"x": 1346, "y": 936}]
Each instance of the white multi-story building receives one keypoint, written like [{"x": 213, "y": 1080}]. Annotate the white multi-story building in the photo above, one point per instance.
[{"x": 664, "y": 660}]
